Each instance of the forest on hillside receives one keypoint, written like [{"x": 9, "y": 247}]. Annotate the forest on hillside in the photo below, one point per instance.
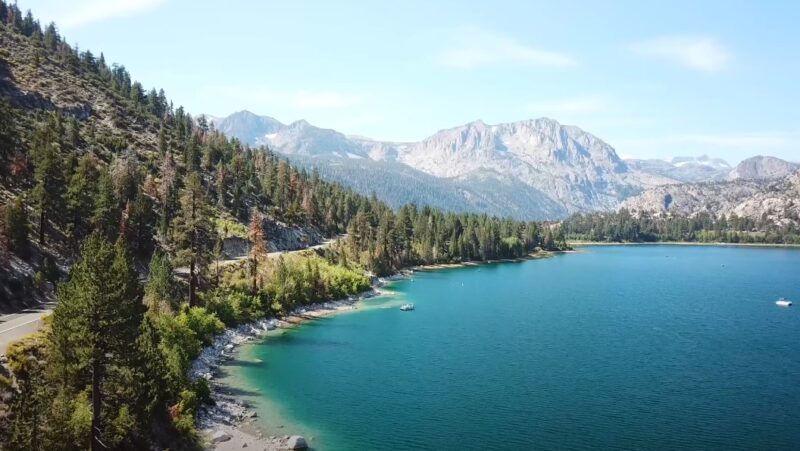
[
  {"x": 107, "y": 188},
  {"x": 622, "y": 226}
]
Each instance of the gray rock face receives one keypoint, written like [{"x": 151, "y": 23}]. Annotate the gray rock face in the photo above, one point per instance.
[
  {"x": 685, "y": 169},
  {"x": 245, "y": 126},
  {"x": 763, "y": 168},
  {"x": 776, "y": 200},
  {"x": 557, "y": 169},
  {"x": 296, "y": 442},
  {"x": 532, "y": 169}
]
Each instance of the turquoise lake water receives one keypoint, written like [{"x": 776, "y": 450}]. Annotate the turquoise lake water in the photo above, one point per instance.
[{"x": 624, "y": 347}]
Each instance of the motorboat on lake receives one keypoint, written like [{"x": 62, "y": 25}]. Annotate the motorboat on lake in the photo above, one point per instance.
[
  {"x": 783, "y": 302},
  {"x": 407, "y": 307}
]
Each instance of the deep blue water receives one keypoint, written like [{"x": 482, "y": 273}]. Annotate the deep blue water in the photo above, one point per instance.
[{"x": 626, "y": 347}]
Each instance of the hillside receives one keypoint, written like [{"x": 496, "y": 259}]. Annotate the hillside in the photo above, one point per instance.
[{"x": 102, "y": 115}]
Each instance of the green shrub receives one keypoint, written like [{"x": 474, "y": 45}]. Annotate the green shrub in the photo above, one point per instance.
[
  {"x": 202, "y": 322},
  {"x": 245, "y": 307},
  {"x": 218, "y": 304}
]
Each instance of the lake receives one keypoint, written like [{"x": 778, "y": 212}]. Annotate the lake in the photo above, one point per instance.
[{"x": 627, "y": 347}]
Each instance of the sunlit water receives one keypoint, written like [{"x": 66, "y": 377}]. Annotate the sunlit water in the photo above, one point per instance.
[{"x": 638, "y": 347}]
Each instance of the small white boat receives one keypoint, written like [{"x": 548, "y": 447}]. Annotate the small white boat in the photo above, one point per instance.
[
  {"x": 407, "y": 307},
  {"x": 782, "y": 302}
]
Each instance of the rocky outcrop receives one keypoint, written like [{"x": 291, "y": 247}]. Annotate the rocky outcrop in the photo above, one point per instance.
[
  {"x": 763, "y": 168},
  {"x": 219, "y": 437},
  {"x": 283, "y": 237},
  {"x": 777, "y": 201},
  {"x": 296, "y": 442}
]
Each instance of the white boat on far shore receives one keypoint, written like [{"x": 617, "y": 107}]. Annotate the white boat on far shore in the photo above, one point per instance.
[
  {"x": 783, "y": 302},
  {"x": 407, "y": 307}
]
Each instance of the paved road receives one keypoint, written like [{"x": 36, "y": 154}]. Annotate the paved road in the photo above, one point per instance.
[
  {"x": 184, "y": 270},
  {"x": 18, "y": 325}
]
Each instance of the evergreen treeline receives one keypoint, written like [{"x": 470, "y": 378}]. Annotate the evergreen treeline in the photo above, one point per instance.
[
  {"x": 705, "y": 228},
  {"x": 110, "y": 368}
]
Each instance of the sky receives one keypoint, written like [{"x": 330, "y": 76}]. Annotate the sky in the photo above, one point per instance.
[{"x": 654, "y": 81}]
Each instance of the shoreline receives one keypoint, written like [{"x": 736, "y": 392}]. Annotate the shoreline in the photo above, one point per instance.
[
  {"x": 532, "y": 256},
  {"x": 230, "y": 423},
  {"x": 678, "y": 243}
]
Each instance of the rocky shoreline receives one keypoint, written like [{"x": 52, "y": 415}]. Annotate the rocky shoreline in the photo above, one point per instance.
[{"x": 228, "y": 423}]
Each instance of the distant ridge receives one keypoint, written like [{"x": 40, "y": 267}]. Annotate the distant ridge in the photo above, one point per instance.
[
  {"x": 530, "y": 169},
  {"x": 557, "y": 169}
]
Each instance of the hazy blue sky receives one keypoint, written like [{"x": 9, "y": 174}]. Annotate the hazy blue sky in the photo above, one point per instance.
[{"x": 683, "y": 78}]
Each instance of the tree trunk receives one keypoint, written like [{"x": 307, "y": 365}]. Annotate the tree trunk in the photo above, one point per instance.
[
  {"x": 42, "y": 222},
  {"x": 96, "y": 445},
  {"x": 255, "y": 275},
  {"x": 191, "y": 283}
]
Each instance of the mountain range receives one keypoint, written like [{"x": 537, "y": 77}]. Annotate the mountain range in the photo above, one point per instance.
[{"x": 531, "y": 169}]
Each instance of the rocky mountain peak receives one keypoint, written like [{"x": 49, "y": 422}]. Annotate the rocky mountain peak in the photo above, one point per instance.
[{"x": 763, "y": 168}]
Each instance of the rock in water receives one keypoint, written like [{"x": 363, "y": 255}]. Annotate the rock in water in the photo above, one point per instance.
[
  {"x": 220, "y": 436},
  {"x": 296, "y": 442}
]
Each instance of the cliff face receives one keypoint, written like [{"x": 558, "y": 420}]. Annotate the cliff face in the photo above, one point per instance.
[
  {"x": 776, "y": 200},
  {"x": 763, "y": 168},
  {"x": 557, "y": 169}
]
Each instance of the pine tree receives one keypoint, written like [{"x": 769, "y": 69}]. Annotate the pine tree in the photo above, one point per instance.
[
  {"x": 167, "y": 193},
  {"x": 194, "y": 235},
  {"x": 159, "y": 291},
  {"x": 16, "y": 226},
  {"x": 106, "y": 214},
  {"x": 8, "y": 130},
  {"x": 139, "y": 222},
  {"x": 26, "y": 361},
  {"x": 258, "y": 249},
  {"x": 96, "y": 324},
  {"x": 162, "y": 141},
  {"x": 48, "y": 192},
  {"x": 80, "y": 198}
]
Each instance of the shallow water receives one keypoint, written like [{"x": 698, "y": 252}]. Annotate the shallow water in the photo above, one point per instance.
[{"x": 628, "y": 347}]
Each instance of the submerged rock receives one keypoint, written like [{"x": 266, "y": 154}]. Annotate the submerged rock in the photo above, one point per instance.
[
  {"x": 220, "y": 436},
  {"x": 296, "y": 442}
]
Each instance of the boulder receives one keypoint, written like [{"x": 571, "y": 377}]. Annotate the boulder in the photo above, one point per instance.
[
  {"x": 296, "y": 442},
  {"x": 220, "y": 436}
]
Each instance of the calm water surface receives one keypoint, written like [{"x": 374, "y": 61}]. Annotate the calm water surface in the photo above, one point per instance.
[{"x": 637, "y": 347}]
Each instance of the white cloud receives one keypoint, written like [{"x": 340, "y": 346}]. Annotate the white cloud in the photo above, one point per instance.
[
  {"x": 262, "y": 97},
  {"x": 479, "y": 48},
  {"x": 703, "y": 53},
  {"x": 84, "y": 13},
  {"x": 574, "y": 105}
]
